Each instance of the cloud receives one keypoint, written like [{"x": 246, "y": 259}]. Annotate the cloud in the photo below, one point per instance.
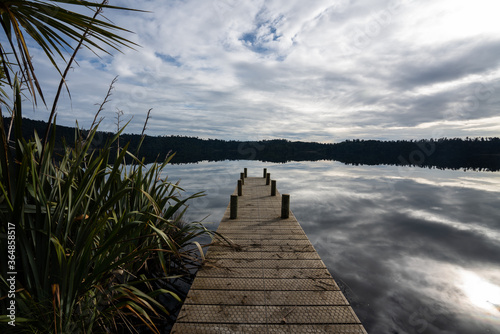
[
  {"x": 320, "y": 70},
  {"x": 445, "y": 63},
  {"x": 401, "y": 243}
]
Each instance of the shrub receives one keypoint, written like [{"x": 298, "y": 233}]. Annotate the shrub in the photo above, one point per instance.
[{"x": 94, "y": 237}]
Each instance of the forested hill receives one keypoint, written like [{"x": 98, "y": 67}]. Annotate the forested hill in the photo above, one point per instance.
[{"x": 453, "y": 153}]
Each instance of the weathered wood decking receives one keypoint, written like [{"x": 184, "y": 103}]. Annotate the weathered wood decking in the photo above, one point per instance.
[{"x": 274, "y": 283}]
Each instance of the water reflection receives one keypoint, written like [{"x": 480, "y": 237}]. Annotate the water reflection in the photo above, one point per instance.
[
  {"x": 480, "y": 292},
  {"x": 415, "y": 250}
]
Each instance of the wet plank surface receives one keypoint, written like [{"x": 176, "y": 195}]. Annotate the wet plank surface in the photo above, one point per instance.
[{"x": 271, "y": 280}]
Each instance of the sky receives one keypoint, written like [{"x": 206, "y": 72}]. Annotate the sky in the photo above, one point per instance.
[{"x": 315, "y": 70}]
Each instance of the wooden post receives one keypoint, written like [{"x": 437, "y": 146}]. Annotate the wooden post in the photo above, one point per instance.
[
  {"x": 233, "y": 211},
  {"x": 240, "y": 187},
  {"x": 273, "y": 188},
  {"x": 242, "y": 178},
  {"x": 285, "y": 206},
  {"x": 268, "y": 179},
  {"x": 265, "y": 172},
  {"x": 246, "y": 172}
]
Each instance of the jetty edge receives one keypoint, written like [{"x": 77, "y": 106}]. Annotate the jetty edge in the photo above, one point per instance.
[{"x": 270, "y": 279}]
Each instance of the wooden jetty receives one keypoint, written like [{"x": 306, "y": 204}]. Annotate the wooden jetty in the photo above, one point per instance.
[{"x": 271, "y": 281}]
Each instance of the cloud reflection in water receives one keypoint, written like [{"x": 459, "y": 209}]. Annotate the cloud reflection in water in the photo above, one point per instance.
[{"x": 414, "y": 250}]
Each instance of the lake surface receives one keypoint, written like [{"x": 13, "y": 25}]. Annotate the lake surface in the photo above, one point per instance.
[{"x": 415, "y": 250}]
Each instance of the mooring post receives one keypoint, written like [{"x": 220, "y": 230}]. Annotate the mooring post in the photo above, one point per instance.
[
  {"x": 268, "y": 179},
  {"x": 265, "y": 172},
  {"x": 285, "y": 206},
  {"x": 245, "y": 170},
  {"x": 273, "y": 187},
  {"x": 233, "y": 211},
  {"x": 240, "y": 187},
  {"x": 242, "y": 178}
]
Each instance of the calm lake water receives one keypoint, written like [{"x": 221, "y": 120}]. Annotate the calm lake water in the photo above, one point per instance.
[{"x": 414, "y": 250}]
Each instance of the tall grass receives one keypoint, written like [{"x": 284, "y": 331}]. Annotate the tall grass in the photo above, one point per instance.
[{"x": 95, "y": 237}]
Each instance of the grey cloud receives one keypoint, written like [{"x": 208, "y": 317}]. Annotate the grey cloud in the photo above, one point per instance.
[
  {"x": 282, "y": 60},
  {"x": 447, "y": 63}
]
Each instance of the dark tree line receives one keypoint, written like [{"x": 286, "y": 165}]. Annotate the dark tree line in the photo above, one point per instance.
[{"x": 453, "y": 153}]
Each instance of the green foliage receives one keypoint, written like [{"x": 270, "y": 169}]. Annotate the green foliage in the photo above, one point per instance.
[
  {"x": 94, "y": 237},
  {"x": 53, "y": 26}
]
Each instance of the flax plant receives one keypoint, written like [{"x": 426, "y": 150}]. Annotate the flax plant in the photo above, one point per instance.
[
  {"x": 96, "y": 239},
  {"x": 95, "y": 236}
]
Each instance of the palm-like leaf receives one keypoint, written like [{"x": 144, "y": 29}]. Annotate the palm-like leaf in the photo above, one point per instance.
[
  {"x": 96, "y": 240},
  {"x": 55, "y": 28}
]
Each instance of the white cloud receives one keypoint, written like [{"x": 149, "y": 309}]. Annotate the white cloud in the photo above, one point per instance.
[{"x": 319, "y": 70}]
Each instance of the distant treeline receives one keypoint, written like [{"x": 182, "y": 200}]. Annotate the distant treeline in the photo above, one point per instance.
[{"x": 452, "y": 153}]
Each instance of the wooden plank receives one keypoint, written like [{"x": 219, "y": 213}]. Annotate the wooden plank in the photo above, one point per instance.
[
  {"x": 239, "y": 255},
  {"x": 262, "y": 298},
  {"x": 269, "y": 279},
  {"x": 196, "y": 328},
  {"x": 250, "y": 314},
  {"x": 265, "y": 273}
]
